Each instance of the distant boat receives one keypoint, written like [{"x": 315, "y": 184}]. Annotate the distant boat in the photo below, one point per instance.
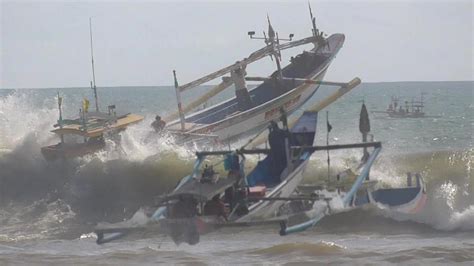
[
  {"x": 85, "y": 135},
  {"x": 413, "y": 109}
]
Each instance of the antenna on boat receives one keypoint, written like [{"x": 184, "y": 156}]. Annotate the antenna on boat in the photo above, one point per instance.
[
  {"x": 320, "y": 40},
  {"x": 313, "y": 21},
  {"x": 93, "y": 86},
  {"x": 273, "y": 42}
]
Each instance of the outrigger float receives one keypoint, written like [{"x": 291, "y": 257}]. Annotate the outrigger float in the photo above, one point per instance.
[
  {"x": 86, "y": 134},
  {"x": 251, "y": 110},
  {"x": 270, "y": 194}
]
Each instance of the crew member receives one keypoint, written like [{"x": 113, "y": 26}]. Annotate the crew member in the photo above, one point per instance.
[
  {"x": 215, "y": 207},
  {"x": 158, "y": 124},
  {"x": 186, "y": 207},
  {"x": 276, "y": 139}
]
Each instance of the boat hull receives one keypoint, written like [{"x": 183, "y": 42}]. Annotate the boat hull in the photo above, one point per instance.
[
  {"x": 241, "y": 124},
  {"x": 267, "y": 209},
  {"x": 408, "y": 200},
  {"x": 60, "y": 151}
]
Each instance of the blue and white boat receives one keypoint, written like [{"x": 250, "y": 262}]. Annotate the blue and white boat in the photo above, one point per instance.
[
  {"x": 251, "y": 110},
  {"x": 184, "y": 213}
]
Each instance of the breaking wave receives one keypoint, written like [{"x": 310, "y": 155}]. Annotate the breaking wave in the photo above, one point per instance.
[{"x": 113, "y": 184}]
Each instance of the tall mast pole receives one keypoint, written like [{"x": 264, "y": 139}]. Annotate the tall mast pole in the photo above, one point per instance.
[
  {"x": 93, "y": 69},
  {"x": 60, "y": 120},
  {"x": 178, "y": 98},
  {"x": 329, "y": 127}
]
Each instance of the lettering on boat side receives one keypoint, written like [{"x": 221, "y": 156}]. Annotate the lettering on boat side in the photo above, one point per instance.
[{"x": 275, "y": 112}]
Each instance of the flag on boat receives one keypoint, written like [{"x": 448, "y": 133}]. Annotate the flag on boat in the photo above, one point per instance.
[
  {"x": 327, "y": 122},
  {"x": 175, "y": 80},
  {"x": 364, "y": 122},
  {"x": 85, "y": 105}
]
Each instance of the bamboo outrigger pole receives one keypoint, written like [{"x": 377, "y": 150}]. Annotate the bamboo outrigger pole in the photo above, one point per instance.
[
  {"x": 178, "y": 98},
  {"x": 93, "y": 87}
]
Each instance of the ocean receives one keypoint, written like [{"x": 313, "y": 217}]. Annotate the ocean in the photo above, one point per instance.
[{"x": 48, "y": 210}]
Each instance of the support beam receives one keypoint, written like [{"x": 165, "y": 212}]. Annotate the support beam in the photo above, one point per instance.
[
  {"x": 307, "y": 81},
  {"x": 302, "y": 148}
]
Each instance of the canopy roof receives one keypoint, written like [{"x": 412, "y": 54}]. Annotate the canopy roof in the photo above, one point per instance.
[{"x": 203, "y": 191}]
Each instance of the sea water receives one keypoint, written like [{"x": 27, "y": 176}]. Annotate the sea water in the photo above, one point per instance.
[{"x": 48, "y": 210}]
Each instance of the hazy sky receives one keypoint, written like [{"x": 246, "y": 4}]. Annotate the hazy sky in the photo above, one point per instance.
[{"x": 46, "y": 44}]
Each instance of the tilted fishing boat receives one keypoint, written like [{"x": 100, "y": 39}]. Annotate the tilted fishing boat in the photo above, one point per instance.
[
  {"x": 85, "y": 135},
  {"x": 249, "y": 111}
]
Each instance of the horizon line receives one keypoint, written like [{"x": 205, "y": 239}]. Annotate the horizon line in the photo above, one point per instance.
[{"x": 209, "y": 85}]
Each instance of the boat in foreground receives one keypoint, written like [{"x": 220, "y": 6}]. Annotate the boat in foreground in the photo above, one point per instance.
[
  {"x": 251, "y": 110},
  {"x": 209, "y": 198}
]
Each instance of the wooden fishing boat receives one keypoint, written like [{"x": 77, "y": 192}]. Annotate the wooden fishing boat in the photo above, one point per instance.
[
  {"x": 251, "y": 110},
  {"x": 413, "y": 109},
  {"x": 86, "y": 134},
  {"x": 245, "y": 195}
]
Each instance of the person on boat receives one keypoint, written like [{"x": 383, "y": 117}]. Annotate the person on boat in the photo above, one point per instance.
[
  {"x": 158, "y": 124},
  {"x": 186, "y": 207},
  {"x": 215, "y": 207},
  {"x": 244, "y": 101},
  {"x": 276, "y": 139},
  {"x": 284, "y": 118},
  {"x": 207, "y": 174}
]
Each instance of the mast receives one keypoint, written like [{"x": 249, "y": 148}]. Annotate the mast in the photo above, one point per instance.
[
  {"x": 272, "y": 42},
  {"x": 93, "y": 86},
  {"x": 60, "y": 120},
  {"x": 178, "y": 98}
]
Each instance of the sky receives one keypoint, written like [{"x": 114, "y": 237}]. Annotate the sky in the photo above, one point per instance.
[{"x": 45, "y": 44}]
